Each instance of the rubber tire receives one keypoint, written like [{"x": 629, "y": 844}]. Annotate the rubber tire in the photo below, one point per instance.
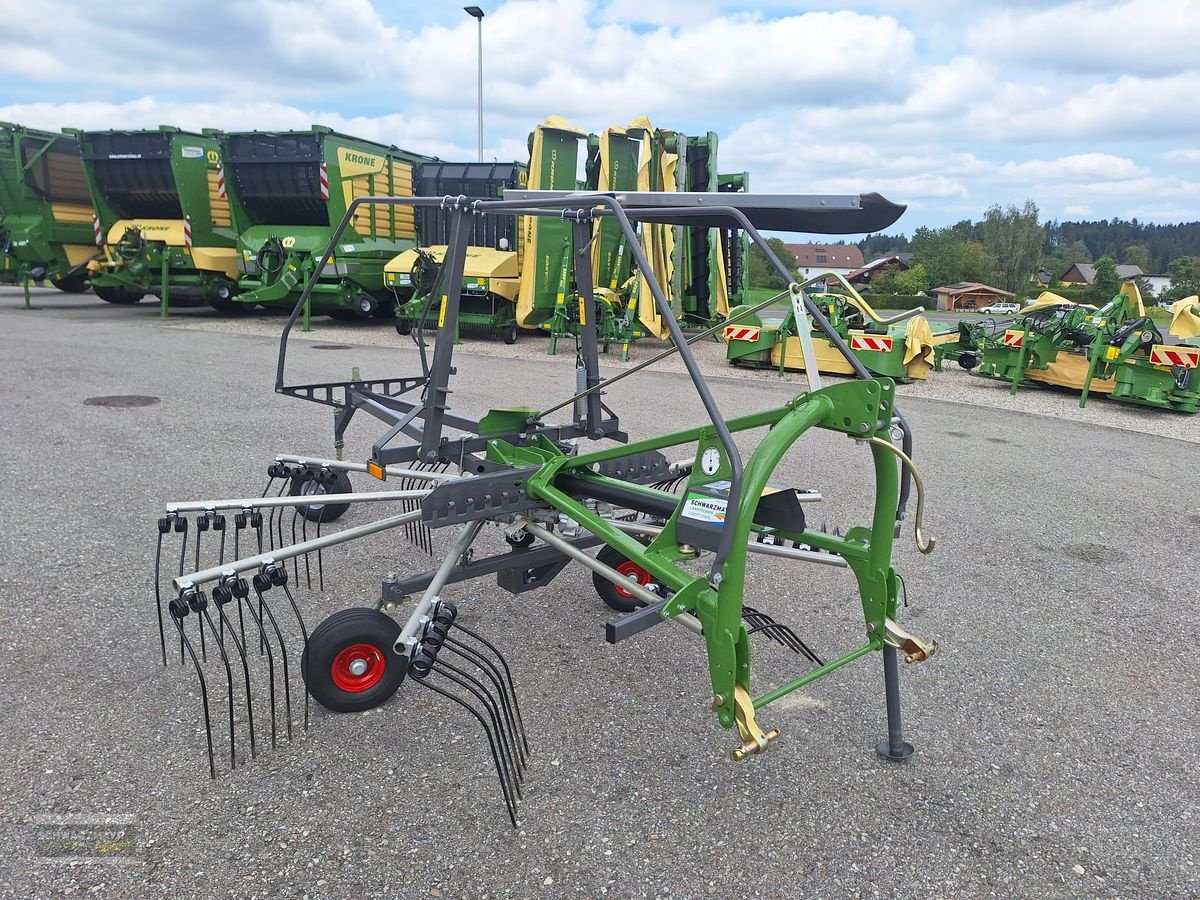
[
  {"x": 404, "y": 327},
  {"x": 509, "y": 334},
  {"x": 324, "y": 512},
  {"x": 76, "y": 284},
  {"x": 606, "y": 589},
  {"x": 968, "y": 361},
  {"x": 116, "y": 294},
  {"x": 360, "y": 625}
]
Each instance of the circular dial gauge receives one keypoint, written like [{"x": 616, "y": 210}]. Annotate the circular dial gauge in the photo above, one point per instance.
[{"x": 710, "y": 461}]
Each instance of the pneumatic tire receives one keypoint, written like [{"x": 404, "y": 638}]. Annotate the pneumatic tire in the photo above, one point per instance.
[{"x": 349, "y": 664}]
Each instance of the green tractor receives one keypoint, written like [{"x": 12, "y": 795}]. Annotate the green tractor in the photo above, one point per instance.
[
  {"x": 46, "y": 216},
  {"x": 166, "y": 222},
  {"x": 293, "y": 189}
]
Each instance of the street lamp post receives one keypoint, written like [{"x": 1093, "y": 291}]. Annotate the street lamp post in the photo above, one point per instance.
[{"x": 477, "y": 14}]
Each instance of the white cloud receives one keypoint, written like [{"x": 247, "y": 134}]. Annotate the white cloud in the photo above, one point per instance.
[{"x": 1148, "y": 36}]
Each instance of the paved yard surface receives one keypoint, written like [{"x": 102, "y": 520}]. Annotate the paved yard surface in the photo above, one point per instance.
[{"x": 1056, "y": 730}]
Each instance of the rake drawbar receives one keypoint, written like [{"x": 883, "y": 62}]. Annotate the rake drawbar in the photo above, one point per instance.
[{"x": 554, "y": 500}]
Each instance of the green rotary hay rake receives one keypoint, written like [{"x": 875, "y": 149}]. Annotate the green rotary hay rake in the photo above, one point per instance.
[{"x": 557, "y": 490}]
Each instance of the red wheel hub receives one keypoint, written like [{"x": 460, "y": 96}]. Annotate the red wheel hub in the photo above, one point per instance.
[
  {"x": 632, "y": 570},
  {"x": 357, "y": 668}
]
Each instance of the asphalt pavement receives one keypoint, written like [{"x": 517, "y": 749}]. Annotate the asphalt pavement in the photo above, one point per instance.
[{"x": 1056, "y": 729}]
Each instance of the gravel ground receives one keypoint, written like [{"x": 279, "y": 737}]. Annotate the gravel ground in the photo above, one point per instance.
[
  {"x": 1056, "y": 753},
  {"x": 952, "y": 385}
]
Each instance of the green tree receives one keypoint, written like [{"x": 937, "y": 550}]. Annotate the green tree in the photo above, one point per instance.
[
  {"x": 763, "y": 273},
  {"x": 1185, "y": 278},
  {"x": 1014, "y": 239},
  {"x": 1137, "y": 255},
  {"x": 884, "y": 281},
  {"x": 940, "y": 251},
  {"x": 977, "y": 263},
  {"x": 1076, "y": 252},
  {"x": 1106, "y": 284},
  {"x": 914, "y": 281}
]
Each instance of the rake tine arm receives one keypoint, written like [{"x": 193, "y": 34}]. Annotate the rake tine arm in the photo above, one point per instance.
[
  {"x": 164, "y": 526},
  {"x": 179, "y": 609},
  {"x": 507, "y": 671},
  {"x": 278, "y": 578},
  {"x": 202, "y": 608},
  {"x": 262, "y": 583},
  {"x": 493, "y": 675},
  {"x": 222, "y": 595},
  {"x": 241, "y": 590},
  {"x": 420, "y": 667},
  {"x": 475, "y": 687}
]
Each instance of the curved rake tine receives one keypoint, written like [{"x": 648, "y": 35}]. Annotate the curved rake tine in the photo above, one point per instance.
[
  {"x": 265, "y": 607},
  {"x": 242, "y": 592},
  {"x": 304, "y": 634},
  {"x": 256, "y": 522},
  {"x": 222, "y": 595},
  {"x": 493, "y": 675},
  {"x": 776, "y": 631},
  {"x": 277, "y": 516},
  {"x": 509, "y": 802},
  {"x": 179, "y": 610},
  {"x": 181, "y": 527},
  {"x": 507, "y": 672},
  {"x": 207, "y": 620},
  {"x": 304, "y": 537},
  {"x": 475, "y": 687},
  {"x": 320, "y": 561},
  {"x": 164, "y": 526},
  {"x": 240, "y": 521},
  {"x": 201, "y": 527}
]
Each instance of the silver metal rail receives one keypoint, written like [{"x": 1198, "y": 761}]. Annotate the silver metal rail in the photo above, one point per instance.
[
  {"x": 195, "y": 579},
  {"x": 296, "y": 500},
  {"x": 812, "y": 556}
]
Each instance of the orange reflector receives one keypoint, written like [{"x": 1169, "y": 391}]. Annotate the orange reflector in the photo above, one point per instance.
[{"x": 377, "y": 471}]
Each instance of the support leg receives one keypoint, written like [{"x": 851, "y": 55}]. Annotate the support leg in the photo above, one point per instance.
[{"x": 894, "y": 747}]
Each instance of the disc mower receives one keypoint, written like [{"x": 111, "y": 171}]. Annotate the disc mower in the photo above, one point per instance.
[
  {"x": 558, "y": 482},
  {"x": 770, "y": 338}
]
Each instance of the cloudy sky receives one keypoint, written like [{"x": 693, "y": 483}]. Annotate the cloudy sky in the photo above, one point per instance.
[{"x": 1088, "y": 107}]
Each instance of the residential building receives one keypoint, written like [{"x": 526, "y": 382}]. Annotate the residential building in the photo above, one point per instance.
[
  {"x": 861, "y": 277},
  {"x": 1157, "y": 283},
  {"x": 969, "y": 295},
  {"x": 813, "y": 259},
  {"x": 1085, "y": 273}
]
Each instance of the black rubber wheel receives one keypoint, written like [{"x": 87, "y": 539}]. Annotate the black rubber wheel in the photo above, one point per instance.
[
  {"x": 509, "y": 334},
  {"x": 72, "y": 284},
  {"x": 117, "y": 294},
  {"x": 968, "y": 361},
  {"x": 404, "y": 327},
  {"x": 520, "y": 541},
  {"x": 323, "y": 512},
  {"x": 220, "y": 298},
  {"x": 620, "y": 600},
  {"x": 349, "y": 664}
]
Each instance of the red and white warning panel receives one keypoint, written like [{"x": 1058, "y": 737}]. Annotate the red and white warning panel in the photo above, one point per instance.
[
  {"x": 324, "y": 182},
  {"x": 878, "y": 342},
  {"x": 1181, "y": 357},
  {"x": 1014, "y": 338},
  {"x": 97, "y": 231},
  {"x": 741, "y": 333},
  {"x": 221, "y": 182},
  {"x": 187, "y": 232}
]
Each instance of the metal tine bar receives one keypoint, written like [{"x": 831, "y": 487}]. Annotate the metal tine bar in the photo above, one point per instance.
[
  {"x": 475, "y": 686},
  {"x": 256, "y": 523},
  {"x": 507, "y": 672},
  {"x": 263, "y": 642},
  {"x": 181, "y": 527},
  {"x": 240, "y": 521},
  {"x": 509, "y": 803},
  {"x": 772, "y": 630},
  {"x": 200, "y": 529},
  {"x": 295, "y": 560},
  {"x": 304, "y": 635},
  {"x": 320, "y": 561},
  {"x": 228, "y": 680},
  {"x": 267, "y": 489},
  {"x": 179, "y": 610},
  {"x": 304, "y": 538},
  {"x": 493, "y": 674},
  {"x": 265, "y": 607},
  {"x": 222, "y": 595},
  {"x": 271, "y": 520},
  {"x": 164, "y": 525}
]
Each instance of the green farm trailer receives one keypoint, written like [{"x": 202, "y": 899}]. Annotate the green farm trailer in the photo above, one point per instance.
[
  {"x": 46, "y": 216},
  {"x": 165, "y": 220},
  {"x": 293, "y": 188}
]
